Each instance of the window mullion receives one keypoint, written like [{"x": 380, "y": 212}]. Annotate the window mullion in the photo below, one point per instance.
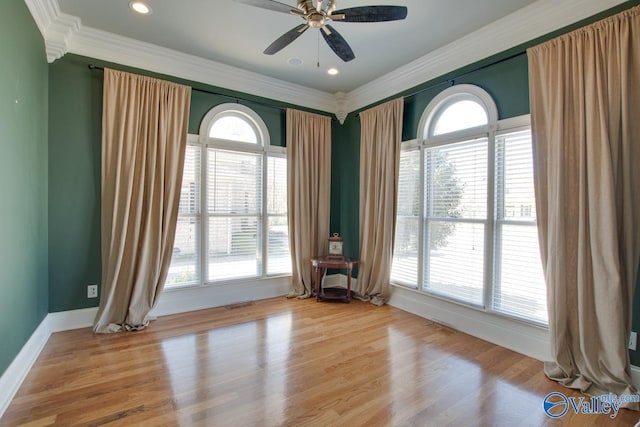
[
  {"x": 204, "y": 215},
  {"x": 490, "y": 221},
  {"x": 499, "y": 166},
  {"x": 421, "y": 230},
  {"x": 426, "y": 219},
  {"x": 264, "y": 237}
]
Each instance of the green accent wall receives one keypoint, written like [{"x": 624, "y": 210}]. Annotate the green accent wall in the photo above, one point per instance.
[
  {"x": 75, "y": 117},
  {"x": 75, "y": 110},
  {"x": 23, "y": 179}
]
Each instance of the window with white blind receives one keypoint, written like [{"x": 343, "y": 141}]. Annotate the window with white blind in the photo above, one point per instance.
[
  {"x": 185, "y": 261},
  {"x": 232, "y": 222},
  {"x": 278, "y": 255},
  {"x": 406, "y": 252},
  {"x": 519, "y": 287},
  {"x": 455, "y": 219},
  {"x": 465, "y": 225}
]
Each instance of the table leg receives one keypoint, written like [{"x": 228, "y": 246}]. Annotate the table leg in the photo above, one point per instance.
[
  {"x": 317, "y": 284},
  {"x": 348, "y": 284}
]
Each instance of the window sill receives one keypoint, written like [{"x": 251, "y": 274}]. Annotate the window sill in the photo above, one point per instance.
[{"x": 475, "y": 307}]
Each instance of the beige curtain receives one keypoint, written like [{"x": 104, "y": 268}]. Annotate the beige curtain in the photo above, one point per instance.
[
  {"x": 144, "y": 132},
  {"x": 309, "y": 181},
  {"x": 585, "y": 98},
  {"x": 381, "y": 135}
]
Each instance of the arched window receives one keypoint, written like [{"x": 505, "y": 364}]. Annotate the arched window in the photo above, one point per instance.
[
  {"x": 466, "y": 225},
  {"x": 457, "y": 109},
  {"x": 233, "y": 127},
  {"x": 233, "y": 207},
  {"x": 458, "y": 115},
  {"x": 235, "y": 122}
]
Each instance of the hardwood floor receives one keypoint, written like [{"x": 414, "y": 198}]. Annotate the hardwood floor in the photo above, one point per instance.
[{"x": 287, "y": 362}]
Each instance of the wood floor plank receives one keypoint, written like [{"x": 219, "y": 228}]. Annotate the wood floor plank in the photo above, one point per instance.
[{"x": 283, "y": 362}]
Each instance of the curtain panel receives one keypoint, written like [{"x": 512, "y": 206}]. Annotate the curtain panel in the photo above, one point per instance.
[
  {"x": 309, "y": 190},
  {"x": 144, "y": 134},
  {"x": 585, "y": 98},
  {"x": 381, "y": 135}
]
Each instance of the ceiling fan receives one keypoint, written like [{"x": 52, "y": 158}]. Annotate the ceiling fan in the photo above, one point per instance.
[{"x": 319, "y": 15}]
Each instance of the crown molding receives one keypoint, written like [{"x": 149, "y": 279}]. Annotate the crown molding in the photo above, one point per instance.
[
  {"x": 56, "y": 27},
  {"x": 64, "y": 33},
  {"x": 526, "y": 24},
  {"x": 126, "y": 51}
]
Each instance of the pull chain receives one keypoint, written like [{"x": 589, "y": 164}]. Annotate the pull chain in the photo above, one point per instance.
[{"x": 318, "y": 65}]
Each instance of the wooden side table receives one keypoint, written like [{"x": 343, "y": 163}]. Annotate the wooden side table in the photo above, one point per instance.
[{"x": 321, "y": 264}]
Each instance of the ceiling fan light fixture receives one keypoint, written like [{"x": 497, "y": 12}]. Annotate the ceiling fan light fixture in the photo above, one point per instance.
[
  {"x": 333, "y": 71},
  {"x": 140, "y": 7},
  {"x": 295, "y": 61}
]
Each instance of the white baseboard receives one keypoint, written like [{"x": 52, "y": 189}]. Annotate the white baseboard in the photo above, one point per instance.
[
  {"x": 12, "y": 378},
  {"x": 200, "y": 298},
  {"x": 72, "y": 319},
  {"x": 526, "y": 339},
  {"x": 183, "y": 300},
  {"x": 635, "y": 376}
]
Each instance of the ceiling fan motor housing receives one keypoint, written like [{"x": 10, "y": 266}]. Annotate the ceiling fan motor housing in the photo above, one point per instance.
[{"x": 316, "y": 19}]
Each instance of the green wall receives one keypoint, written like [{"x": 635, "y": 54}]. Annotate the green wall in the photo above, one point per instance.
[
  {"x": 23, "y": 179},
  {"x": 75, "y": 97},
  {"x": 75, "y": 109}
]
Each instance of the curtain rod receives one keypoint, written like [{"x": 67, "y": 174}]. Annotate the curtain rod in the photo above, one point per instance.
[
  {"x": 237, "y": 99},
  {"x": 452, "y": 81}
]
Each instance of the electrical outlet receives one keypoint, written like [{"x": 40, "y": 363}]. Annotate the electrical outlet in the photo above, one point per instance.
[
  {"x": 633, "y": 341},
  {"x": 92, "y": 291}
]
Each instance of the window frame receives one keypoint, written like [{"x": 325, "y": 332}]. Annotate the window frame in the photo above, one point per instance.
[
  {"x": 262, "y": 148},
  {"x": 424, "y": 141}
]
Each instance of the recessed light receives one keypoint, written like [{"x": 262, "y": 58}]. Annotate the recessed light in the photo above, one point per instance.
[
  {"x": 332, "y": 71},
  {"x": 295, "y": 61},
  {"x": 140, "y": 7}
]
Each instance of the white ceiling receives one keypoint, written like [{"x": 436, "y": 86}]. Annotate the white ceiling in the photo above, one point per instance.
[{"x": 235, "y": 34}]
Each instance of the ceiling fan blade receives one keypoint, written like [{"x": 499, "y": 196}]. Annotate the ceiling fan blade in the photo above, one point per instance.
[
  {"x": 372, "y": 13},
  {"x": 269, "y": 5},
  {"x": 285, "y": 39},
  {"x": 338, "y": 44}
]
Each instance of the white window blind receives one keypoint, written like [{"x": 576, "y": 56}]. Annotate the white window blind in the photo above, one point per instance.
[
  {"x": 404, "y": 269},
  {"x": 455, "y": 220},
  {"x": 234, "y": 206},
  {"x": 184, "y": 268},
  {"x": 519, "y": 288},
  {"x": 278, "y": 255}
]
